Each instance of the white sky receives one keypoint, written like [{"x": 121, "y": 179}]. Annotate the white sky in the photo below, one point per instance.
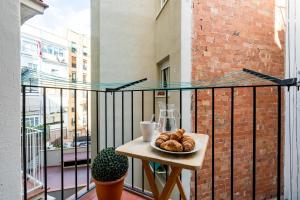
[{"x": 62, "y": 15}]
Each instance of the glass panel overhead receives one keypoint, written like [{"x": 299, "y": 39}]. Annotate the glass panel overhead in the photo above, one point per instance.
[{"x": 240, "y": 78}]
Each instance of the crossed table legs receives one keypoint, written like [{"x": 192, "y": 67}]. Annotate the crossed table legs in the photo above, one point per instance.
[{"x": 172, "y": 180}]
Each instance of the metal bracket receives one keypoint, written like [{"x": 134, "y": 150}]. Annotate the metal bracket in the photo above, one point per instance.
[
  {"x": 284, "y": 82},
  {"x": 126, "y": 85}
]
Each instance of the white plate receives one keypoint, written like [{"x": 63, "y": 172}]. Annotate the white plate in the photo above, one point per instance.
[{"x": 198, "y": 146}]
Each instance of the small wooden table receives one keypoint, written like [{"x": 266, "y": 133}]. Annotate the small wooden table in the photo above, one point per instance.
[{"x": 143, "y": 151}]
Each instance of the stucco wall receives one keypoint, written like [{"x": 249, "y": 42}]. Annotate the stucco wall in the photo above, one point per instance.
[
  {"x": 10, "y": 152},
  {"x": 126, "y": 40},
  {"x": 123, "y": 51},
  {"x": 168, "y": 37}
]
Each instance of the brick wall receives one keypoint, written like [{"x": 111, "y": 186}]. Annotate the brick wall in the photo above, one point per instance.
[{"x": 228, "y": 36}]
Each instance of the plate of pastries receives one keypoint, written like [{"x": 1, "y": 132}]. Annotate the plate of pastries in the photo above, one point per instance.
[{"x": 177, "y": 142}]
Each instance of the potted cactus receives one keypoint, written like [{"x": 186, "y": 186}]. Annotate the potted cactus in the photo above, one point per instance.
[{"x": 109, "y": 171}]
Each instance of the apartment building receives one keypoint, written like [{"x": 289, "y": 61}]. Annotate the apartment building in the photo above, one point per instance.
[
  {"x": 66, "y": 58},
  {"x": 78, "y": 72},
  {"x": 43, "y": 53}
]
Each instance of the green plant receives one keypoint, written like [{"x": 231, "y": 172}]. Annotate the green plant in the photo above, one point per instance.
[{"x": 109, "y": 166}]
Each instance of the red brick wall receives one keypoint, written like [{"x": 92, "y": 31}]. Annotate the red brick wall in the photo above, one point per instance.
[{"x": 228, "y": 36}]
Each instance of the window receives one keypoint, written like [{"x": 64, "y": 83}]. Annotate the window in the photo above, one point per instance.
[
  {"x": 73, "y": 47},
  {"x": 165, "y": 75},
  {"x": 50, "y": 49},
  {"x": 74, "y": 61},
  {"x": 36, "y": 121},
  {"x": 32, "y": 121},
  {"x": 73, "y": 76},
  {"x": 84, "y": 64},
  {"x": 44, "y": 49},
  {"x": 74, "y": 50},
  {"x": 73, "y": 109},
  {"x": 84, "y": 78},
  {"x": 85, "y": 51},
  {"x": 61, "y": 53},
  {"x": 55, "y": 51}
]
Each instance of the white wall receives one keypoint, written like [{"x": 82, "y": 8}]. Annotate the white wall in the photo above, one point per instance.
[
  {"x": 10, "y": 152},
  {"x": 122, "y": 51},
  {"x": 292, "y": 108}
]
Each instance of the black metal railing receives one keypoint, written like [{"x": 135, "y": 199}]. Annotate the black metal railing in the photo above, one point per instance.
[{"x": 111, "y": 99}]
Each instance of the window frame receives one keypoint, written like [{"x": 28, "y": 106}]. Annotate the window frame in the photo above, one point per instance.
[{"x": 164, "y": 66}]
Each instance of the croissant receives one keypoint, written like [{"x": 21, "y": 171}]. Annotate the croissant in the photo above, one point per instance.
[
  {"x": 163, "y": 137},
  {"x": 172, "y": 145},
  {"x": 177, "y": 136},
  {"x": 188, "y": 143},
  {"x": 182, "y": 131}
]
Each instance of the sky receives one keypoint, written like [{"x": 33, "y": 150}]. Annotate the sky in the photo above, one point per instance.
[{"x": 63, "y": 14}]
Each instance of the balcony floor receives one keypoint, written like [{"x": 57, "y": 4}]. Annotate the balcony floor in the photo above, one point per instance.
[{"x": 125, "y": 196}]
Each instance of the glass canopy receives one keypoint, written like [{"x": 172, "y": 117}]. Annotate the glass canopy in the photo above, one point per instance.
[{"x": 234, "y": 79}]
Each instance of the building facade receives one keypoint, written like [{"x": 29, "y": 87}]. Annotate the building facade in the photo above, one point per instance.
[
  {"x": 78, "y": 71},
  {"x": 45, "y": 54},
  {"x": 191, "y": 40}
]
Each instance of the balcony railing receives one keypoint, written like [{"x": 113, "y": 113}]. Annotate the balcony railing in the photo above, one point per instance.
[
  {"x": 116, "y": 113},
  {"x": 34, "y": 165}
]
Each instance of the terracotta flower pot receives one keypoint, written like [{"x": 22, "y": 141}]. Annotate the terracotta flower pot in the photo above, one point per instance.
[{"x": 110, "y": 190}]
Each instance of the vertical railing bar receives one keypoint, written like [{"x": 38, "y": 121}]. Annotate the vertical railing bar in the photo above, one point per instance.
[
  {"x": 114, "y": 120},
  {"x": 45, "y": 141},
  {"x": 213, "y": 142},
  {"x": 167, "y": 101},
  {"x": 87, "y": 142},
  {"x": 24, "y": 141},
  {"x": 40, "y": 156},
  {"x": 76, "y": 170},
  {"x": 180, "y": 108},
  {"x": 105, "y": 118},
  {"x": 132, "y": 160},
  {"x": 153, "y": 106},
  {"x": 180, "y": 123},
  {"x": 196, "y": 130},
  {"x": 254, "y": 145},
  {"x": 123, "y": 117},
  {"x": 97, "y": 120},
  {"x": 61, "y": 143},
  {"x": 279, "y": 144},
  {"x": 232, "y": 143},
  {"x": 143, "y": 113}
]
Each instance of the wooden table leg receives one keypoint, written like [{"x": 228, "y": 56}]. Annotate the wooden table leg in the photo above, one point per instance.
[
  {"x": 181, "y": 189},
  {"x": 170, "y": 183},
  {"x": 173, "y": 179},
  {"x": 151, "y": 179}
]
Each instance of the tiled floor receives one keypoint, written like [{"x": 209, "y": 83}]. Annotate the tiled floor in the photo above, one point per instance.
[
  {"x": 125, "y": 196},
  {"x": 54, "y": 177}
]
